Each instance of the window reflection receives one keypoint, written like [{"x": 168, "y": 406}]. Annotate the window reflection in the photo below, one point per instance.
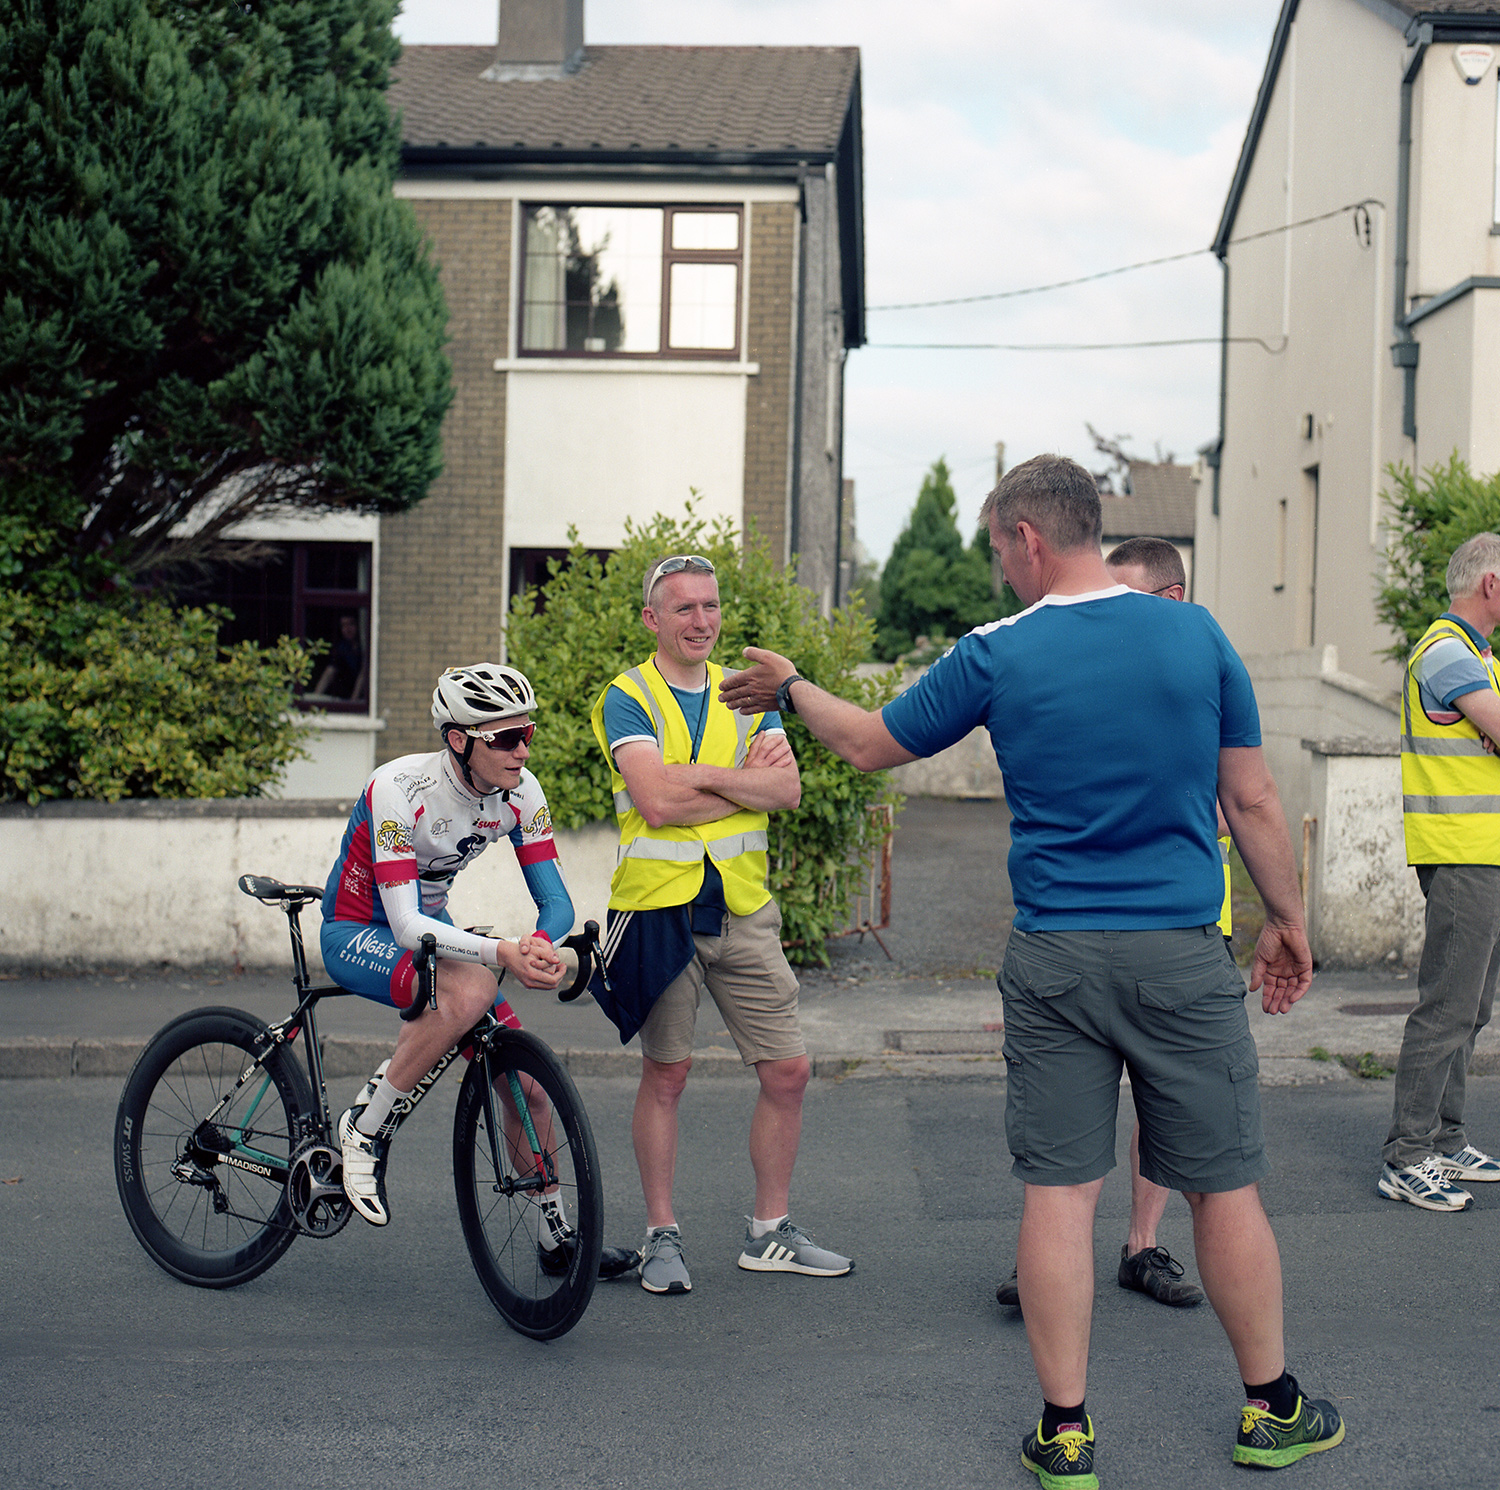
[
  {"x": 703, "y": 305},
  {"x": 712, "y": 231},
  {"x": 593, "y": 279}
]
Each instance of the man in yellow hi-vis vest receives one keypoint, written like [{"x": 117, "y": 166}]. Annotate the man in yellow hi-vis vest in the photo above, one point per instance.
[
  {"x": 693, "y": 783},
  {"x": 1450, "y": 789}
]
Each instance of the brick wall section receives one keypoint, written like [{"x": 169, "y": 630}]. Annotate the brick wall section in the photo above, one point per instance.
[
  {"x": 768, "y": 407},
  {"x": 441, "y": 576}
]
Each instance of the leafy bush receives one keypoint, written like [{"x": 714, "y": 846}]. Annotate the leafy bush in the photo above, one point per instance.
[
  {"x": 591, "y": 631},
  {"x": 120, "y": 697},
  {"x": 1427, "y": 519}
]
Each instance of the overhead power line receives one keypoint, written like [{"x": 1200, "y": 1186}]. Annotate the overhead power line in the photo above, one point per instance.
[{"x": 1084, "y": 279}]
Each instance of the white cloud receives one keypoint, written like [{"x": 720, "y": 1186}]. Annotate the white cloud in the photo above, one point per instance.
[{"x": 1006, "y": 144}]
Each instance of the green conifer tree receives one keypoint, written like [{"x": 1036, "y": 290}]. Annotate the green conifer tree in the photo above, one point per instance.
[
  {"x": 206, "y": 284},
  {"x": 933, "y": 585}
]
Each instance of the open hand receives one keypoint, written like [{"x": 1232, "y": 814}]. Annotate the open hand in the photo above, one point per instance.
[
  {"x": 1283, "y": 964},
  {"x": 754, "y": 690}
]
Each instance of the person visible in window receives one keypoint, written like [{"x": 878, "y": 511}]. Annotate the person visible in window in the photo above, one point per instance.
[{"x": 343, "y": 675}]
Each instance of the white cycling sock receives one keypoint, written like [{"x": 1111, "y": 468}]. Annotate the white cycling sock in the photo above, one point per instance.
[
  {"x": 759, "y": 1228},
  {"x": 379, "y": 1109},
  {"x": 552, "y": 1219}
]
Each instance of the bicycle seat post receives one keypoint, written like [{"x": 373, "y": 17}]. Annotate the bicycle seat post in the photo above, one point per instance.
[{"x": 300, "y": 978}]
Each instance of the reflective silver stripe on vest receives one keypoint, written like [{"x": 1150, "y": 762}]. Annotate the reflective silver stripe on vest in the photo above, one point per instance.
[
  {"x": 1450, "y": 804},
  {"x": 743, "y": 723},
  {"x": 1224, "y": 852},
  {"x": 624, "y": 803},
  {"x": 658, "y": 723},
  {"x": 1426, "y": 745},
  {"x": 732, "y": 847},
  {"x": 660, "y": 848}
]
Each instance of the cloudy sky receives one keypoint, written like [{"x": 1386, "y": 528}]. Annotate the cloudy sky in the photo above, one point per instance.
[{"x": 1006, "y": 145}]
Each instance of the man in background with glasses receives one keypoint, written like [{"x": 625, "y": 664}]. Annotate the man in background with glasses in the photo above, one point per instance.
[{"x": 693, "y": 783}]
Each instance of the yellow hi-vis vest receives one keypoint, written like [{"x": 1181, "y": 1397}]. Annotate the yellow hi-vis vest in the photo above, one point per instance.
[
  {"x": 1450, "y": 784},
  {"x": 1226, "y": 911},
  {"x": 657, "y": 867}
]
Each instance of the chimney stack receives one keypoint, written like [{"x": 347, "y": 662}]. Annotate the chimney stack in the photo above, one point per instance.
[{"x": 539, "y": 38}]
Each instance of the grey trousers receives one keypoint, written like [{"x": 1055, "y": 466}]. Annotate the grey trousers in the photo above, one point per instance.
[{"x": 1455, "y": 991}]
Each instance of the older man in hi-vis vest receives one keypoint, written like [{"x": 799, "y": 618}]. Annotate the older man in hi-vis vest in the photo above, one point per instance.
[
  {"x": 1450, "y": 788},
  {"x": 693, "y": 783}
]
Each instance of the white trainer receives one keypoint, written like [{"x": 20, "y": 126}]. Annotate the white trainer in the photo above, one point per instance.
[
  {"x": 364, "y": 1169},
  {"x": 1423, "y": 1184}
]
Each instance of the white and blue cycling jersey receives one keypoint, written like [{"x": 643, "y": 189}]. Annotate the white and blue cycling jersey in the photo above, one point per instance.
[{"x": 414, "y": 827}]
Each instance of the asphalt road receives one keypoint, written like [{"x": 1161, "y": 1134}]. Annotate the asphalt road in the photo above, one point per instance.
[{"x": 373, "y": 1359}]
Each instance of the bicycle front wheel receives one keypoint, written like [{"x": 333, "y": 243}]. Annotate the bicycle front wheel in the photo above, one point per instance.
[
  {"x": 204, "y": 1186},
  {"x": 508, "y": 1163}
]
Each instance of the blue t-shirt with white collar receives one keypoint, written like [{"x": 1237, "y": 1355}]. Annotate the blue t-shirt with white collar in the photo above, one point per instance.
[{"x": 1107, "y": 712}]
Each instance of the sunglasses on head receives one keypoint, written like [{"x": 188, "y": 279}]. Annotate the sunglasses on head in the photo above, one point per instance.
[
  {"x": 504, "y": 739},
  {"x": 675, "y": 565}
]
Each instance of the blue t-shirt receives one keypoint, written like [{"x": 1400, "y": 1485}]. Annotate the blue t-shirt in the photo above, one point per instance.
[
  {"x": 626, "y": 720},
  {"x": 1107, "y": 712},
  {"x": 1448, "y": 670}
]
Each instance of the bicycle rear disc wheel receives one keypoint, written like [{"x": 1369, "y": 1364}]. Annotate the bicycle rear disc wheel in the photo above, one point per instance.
[
  {"x": 539, "y": 1294},
  {"x": 208, "y": 1200}
]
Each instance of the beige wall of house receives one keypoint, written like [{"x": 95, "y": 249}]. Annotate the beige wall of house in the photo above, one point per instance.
[{"x": 1294, "y": 557}]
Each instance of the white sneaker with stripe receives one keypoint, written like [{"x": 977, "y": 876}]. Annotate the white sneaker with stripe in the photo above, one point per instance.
[{"x": 789, "y": 1249}]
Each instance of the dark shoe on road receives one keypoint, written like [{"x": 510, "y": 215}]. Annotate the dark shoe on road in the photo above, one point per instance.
[
  {"x": 1009, "y": 1292},
  {"x": 1154, "y": 1271},
  {"x": 1065, "y": 1462},
  {"x": 614, "y": 1262},
  {"x": 1267, "y": 1442}
]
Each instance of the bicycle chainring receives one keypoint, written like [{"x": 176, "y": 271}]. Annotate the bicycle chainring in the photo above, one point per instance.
[{"x": 315, "y": 1189}]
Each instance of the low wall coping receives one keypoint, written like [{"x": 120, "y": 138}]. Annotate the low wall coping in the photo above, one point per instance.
[
  {"x": 185, "y": 807},
  {"x": 1353, "y": 745}
]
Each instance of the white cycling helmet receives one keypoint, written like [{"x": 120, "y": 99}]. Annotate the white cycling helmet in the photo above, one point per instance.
[{"x": 480, "y": 694}]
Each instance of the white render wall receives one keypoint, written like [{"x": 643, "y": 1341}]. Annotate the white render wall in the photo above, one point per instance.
[
  {"x": 1364, "y": 903},
  {"x": 135, "y": 883},
  {"x": 592, "y": 447}
]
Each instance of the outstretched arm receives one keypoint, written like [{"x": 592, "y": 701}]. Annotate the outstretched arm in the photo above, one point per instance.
[{"x": 858, "y": 735}]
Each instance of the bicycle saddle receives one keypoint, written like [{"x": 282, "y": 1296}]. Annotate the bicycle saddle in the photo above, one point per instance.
[{"x": 269, "y": 891}]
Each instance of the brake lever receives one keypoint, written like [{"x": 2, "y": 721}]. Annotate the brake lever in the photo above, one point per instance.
[
  {"x": 424, "y": 961},
  {"x": 590, "y": 956}
]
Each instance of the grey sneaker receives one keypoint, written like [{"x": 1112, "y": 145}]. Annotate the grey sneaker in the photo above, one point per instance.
[
  {"x": 1423, "y": 1184},
  {"x": 789, "y": 1249},
  {"x": 663, "y": 1267}
]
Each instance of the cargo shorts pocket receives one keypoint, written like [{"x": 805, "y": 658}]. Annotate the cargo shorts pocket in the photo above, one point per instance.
[
  {"x": 1015, "y": 1109},
  {"x": 1244, "y": 1072},
  {"x": 1169, "y": 993}
]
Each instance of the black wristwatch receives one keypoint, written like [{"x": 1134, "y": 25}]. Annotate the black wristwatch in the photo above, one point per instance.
[{"x": 784, "y": 704}]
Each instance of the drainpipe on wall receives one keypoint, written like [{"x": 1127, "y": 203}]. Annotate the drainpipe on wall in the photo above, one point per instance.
[{"x": 1406, "y": 350}]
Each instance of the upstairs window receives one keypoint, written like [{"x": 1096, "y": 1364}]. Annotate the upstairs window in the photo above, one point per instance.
[{"x": 631, "y": 281}]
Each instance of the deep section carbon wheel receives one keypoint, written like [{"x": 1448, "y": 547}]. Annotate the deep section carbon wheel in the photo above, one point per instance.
[
  {"x": 204, "y": 1186},
  {"x": 509, "y": 1159}
]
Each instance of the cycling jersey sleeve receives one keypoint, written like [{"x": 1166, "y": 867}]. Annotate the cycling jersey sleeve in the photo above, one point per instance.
[
  {"x": 536, "y": 852},
  {"x": 393, "y": 822},
  {"x": 403, "y": 909}
]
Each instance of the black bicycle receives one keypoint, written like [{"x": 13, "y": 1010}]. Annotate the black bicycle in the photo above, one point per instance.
[{"x": 226, "y": 1152}]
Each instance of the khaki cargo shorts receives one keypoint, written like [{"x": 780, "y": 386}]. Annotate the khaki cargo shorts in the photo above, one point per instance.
[{"x": 749, "y": 978}]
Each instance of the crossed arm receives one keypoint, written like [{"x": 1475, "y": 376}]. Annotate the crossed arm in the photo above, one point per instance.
[{"x": 687, "y": 794}]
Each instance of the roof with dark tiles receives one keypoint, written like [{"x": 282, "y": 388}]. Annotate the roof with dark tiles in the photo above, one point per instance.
[
  {"x": 1163, "y": 503},
  {"x": 656, "y": 99}
]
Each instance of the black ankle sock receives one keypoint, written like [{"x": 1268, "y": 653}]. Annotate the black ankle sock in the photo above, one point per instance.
[
  {"x": 1279, "y": 1395},
  {"x": 1053, "y": 1417}
]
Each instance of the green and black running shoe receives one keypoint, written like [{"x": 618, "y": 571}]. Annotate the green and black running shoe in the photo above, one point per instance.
[
  {"x": 1268, "y": 1442},
  {"x": 1065, "y": 1462}
]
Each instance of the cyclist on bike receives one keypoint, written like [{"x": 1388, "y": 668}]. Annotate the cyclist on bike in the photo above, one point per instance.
[{"x": 420, "y": 820}]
